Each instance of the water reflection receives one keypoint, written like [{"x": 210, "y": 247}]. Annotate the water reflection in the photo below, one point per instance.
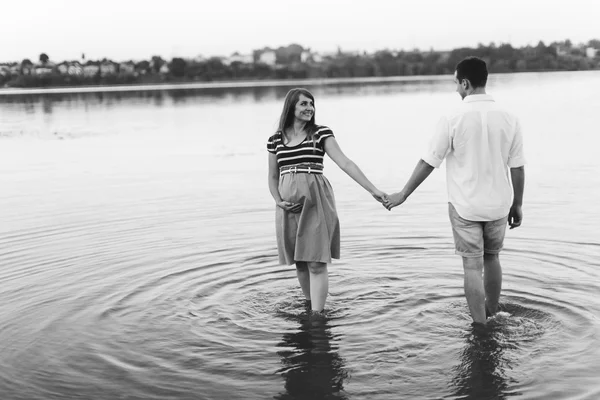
[
  {"x": 47, "y": 105},
  {"x": 312, "y": 367},
  {"x": 481, "y": 372},
  {"x": 227, "y": 95}
]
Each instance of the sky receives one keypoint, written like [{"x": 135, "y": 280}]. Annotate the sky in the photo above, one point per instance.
[{"x": 135, "y": 30}]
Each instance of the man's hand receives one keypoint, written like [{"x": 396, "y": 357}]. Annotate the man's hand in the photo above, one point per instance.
[
  {"x": 515, "y": 216},
  {"x": 289, "y": 206},
  {"x": 394, "y": 200}
]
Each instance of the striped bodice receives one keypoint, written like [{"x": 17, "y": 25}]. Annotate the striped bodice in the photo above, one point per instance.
[{"x": 308, "y": 151}]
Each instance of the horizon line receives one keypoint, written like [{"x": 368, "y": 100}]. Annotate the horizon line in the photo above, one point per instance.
[{"x": 322, "y": 52}]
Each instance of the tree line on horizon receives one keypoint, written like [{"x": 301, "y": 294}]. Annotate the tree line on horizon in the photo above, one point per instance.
[{"x": 296, "y": 62}]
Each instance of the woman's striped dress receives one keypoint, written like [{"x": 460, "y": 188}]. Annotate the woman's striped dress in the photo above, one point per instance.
[{"x": 314, "y": 233}]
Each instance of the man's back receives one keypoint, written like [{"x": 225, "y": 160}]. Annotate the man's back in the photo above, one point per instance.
[{"x": 483, "y": 141}]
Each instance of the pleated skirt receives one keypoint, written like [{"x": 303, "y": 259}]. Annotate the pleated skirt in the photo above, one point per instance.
[{"x": 313, "y": 234}]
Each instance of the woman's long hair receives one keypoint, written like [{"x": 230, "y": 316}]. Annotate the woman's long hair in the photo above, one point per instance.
[{"x": 287, "y": 115}]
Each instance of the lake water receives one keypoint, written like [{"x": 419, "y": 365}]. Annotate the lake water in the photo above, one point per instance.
[{"x": 138, "y": 256}]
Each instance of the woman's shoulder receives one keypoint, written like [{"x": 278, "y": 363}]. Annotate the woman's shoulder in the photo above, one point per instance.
[
  {"x": 323, "y": 130},
  {"x": 274, "y": 137},
  {"x": 274, "y": 142}
]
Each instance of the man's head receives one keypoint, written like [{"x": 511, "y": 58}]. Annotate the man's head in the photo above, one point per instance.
[{"x": 471, "y": 74}]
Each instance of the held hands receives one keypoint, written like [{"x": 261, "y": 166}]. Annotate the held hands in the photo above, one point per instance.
[
  {"x": 389, "y": 201},
  {"x": 515, "y": 216},
  {"x": 289, "y": 206},
  {"x": 394, "y": 200},
  {"x": 379, "y": 196}
]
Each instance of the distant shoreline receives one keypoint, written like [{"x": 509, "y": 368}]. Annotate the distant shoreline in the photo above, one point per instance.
[
  {"x": 243, "y": 84},
  {"x": 219, "y": 85}
]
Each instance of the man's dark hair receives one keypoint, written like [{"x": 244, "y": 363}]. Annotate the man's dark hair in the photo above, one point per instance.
[{"x": 474, "y": 69}]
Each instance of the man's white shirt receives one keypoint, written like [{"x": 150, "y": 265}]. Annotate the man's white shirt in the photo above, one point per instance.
[{"x": 480, "y": 142}]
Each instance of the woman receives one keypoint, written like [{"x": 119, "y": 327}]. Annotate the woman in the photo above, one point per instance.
[{"x": 307, "y": 225}]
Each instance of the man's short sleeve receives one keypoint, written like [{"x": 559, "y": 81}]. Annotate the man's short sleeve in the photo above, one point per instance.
[
  {"x": 516, "y": 158},
  {"x": 439, "y": 145}
]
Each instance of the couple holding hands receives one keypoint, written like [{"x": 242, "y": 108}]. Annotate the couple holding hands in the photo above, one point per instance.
[{"x": 483, "y": 148}]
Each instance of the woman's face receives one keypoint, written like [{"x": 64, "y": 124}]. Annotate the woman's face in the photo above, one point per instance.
[{"x": 305, "y": 109}]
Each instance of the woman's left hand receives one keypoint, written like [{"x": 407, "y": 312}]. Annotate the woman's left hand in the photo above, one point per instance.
[{"x": 289, "y": 206}]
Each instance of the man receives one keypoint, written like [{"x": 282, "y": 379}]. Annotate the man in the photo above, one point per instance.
[{"x": 481, "y": 143}]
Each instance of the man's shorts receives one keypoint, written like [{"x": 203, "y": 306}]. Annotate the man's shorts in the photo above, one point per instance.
[{"x": 474, "y": 238}]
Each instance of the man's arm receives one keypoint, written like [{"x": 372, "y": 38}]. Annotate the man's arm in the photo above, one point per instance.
[
  {"x": 420, "y": 173},
  {"x": 515, "y": 216},
  {"x": 439, "y": 147}
]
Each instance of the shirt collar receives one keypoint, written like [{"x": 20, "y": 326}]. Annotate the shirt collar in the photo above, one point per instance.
[{"x": 478, "y": 97}]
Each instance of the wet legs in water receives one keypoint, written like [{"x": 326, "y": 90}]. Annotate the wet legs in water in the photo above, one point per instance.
[
  {"x": 492, "y": 280},
  {"x": 314, "y": 281},
  {"x": 482, "y": 290},
  {"x": 303, "y": 278},
  {"x": 474, "y": 291}
]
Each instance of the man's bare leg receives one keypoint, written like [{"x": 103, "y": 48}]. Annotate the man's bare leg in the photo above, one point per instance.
[
  {"x": 474, "y": 291},
  {"x": 492, "y": 278}
]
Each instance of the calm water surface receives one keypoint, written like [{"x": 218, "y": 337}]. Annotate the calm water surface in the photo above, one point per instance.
[{"x": 138, "y": 258}]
